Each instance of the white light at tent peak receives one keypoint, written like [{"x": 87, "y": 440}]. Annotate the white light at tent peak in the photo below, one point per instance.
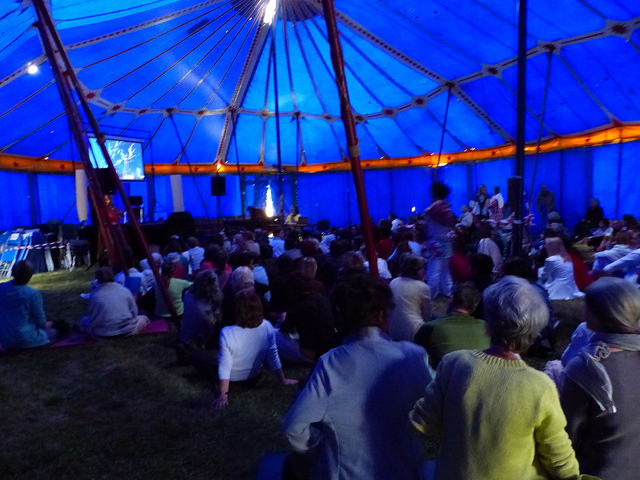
[
  {"x": 413, "y": 209},
  {"x": 32, "y": 68},
  {"x": 270, "y": 11}
]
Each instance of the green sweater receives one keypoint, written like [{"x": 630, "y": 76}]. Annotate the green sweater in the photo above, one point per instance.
[
  {"x": 497, "y": 420},
  {"x": 456, "y": 331}
]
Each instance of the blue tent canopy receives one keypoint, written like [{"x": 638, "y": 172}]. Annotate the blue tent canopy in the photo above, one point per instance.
[{"x": 201, "y": 74}]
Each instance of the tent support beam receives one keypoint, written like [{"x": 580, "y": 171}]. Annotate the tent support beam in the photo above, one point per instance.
[
  {"x": 231, "y": 118},
  {"x": 618, "y": 180},
  {"x": 68, "y": 83},
  {"x": 516, "y": 238},
  {"x": 65, "y": 90},
  {"x": 350, "y": 128}
]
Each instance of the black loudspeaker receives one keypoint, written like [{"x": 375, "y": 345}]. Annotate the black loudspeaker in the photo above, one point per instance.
[
  {"x": 135, "y": 201},
  {"x": 218, "y": 186},
  {"x": 106, "y": 181},
  {"x": 512, "y": 191}
]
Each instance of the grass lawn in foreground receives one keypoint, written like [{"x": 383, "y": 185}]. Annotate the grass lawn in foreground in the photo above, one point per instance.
[{"x": 120, "y": 409}]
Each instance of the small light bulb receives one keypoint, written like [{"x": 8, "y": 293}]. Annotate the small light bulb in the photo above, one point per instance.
[
  {"x": 32, "y": 69},
  {"x": 413, "y": 209}
]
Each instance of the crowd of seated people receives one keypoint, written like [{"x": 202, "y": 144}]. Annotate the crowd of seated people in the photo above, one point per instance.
[{"x": 384, "y": 362}]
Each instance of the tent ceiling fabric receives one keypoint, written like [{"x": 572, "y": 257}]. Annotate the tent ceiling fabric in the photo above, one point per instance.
[{"x": 201, "y": 73}]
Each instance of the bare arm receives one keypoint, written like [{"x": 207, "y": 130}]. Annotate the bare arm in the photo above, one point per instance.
[
  {"x": 283, "y": 379},
  {"x": 222, "y": 400}
]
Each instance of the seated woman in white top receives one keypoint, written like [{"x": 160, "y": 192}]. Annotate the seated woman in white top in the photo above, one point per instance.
[
  {"x": 246, "y": 346},
  {"x": 557, "y": 274},
  {"x": 411, "y": 298}
]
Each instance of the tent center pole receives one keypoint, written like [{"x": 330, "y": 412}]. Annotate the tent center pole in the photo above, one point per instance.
[
  {"x": 350, "y": 128},
  {"x": 516, "y": 239}
]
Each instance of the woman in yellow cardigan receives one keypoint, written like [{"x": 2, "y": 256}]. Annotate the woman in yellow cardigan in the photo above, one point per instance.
[{"x": 496, "y": 417}]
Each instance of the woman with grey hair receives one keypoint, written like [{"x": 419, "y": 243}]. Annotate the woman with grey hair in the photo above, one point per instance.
[
  {"x": 599, "y": 387},
  {"x": 495, "y": 416},
  {"x": 411, "y": 298}
]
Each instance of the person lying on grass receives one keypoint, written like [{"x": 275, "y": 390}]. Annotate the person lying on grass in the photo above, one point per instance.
[{"x": 246, "y": 346}]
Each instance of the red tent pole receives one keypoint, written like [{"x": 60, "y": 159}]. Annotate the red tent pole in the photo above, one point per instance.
[
  {"x": 352, "y": 139},
  {"x": 68, "y": 81}
]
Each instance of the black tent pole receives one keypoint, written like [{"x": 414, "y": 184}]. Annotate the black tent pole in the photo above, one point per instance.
[{"x": 516, "y": 239}]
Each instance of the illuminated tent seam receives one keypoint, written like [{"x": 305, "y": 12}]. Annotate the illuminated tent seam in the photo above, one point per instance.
[{"x": 612, "y": 134}]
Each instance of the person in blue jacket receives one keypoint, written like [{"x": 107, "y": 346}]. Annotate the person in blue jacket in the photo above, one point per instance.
[{"x": 23, "y": 323}]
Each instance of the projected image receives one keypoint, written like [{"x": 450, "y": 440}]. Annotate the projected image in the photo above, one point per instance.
[{"x": 125, "y": 155}]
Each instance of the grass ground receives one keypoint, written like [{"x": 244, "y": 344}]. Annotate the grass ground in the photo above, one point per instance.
[{"x": 121, "y": 409}]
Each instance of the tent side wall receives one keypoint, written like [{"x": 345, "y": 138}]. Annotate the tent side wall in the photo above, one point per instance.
[{"x": 604, "y": 172}]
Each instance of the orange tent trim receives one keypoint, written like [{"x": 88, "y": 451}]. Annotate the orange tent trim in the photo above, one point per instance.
[{"x": 608, "y": 135}]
